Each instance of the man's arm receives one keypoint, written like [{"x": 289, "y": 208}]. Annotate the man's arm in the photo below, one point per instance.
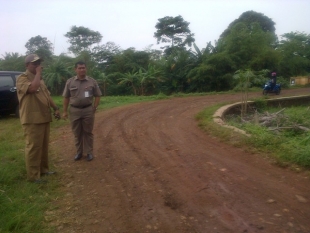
[
  {"x": 65, "y": 108},
  {"x": 96, "y": 103},
  {"x": 35, "y": 84},
  {"x": 56, "y": 109}
]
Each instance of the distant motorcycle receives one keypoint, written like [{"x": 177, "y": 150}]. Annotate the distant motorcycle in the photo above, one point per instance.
[{"x": 268, "y": 88}]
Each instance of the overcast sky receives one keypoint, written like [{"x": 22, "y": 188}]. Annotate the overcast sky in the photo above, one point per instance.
[{"x": 131, "y": 23}]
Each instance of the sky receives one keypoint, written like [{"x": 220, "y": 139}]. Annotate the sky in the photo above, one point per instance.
[{"x": 131, "y": 23}]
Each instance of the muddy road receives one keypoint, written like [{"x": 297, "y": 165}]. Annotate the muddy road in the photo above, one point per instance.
[{"x": 156, "y": 171}]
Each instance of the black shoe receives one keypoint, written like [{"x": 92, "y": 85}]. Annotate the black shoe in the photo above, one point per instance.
[
  {"x": 48, "y": 173},
  {"x": 78, "y": 157},
  {"x": 90, "y": 157}
]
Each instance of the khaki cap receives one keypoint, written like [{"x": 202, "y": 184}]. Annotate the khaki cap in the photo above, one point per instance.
[{"x": 32, "y": 58}]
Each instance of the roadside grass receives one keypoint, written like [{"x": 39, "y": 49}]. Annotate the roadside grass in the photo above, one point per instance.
[
  {"x": 22, "y": 204},
  {"x": 289, "y": 148}
]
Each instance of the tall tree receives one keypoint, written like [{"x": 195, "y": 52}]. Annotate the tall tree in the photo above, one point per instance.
[
  {"x": 103, "y": 54},
  {"x": 176, "y": 68},
  {"x": 175, "y": 31},
  {"x": 250, "y": 17},
  {"x": 38, "y": 42},
  {"x": 41, "y": 46},
  {"x": 81, "y": 39},
  {"x": 295, "y": 54},
  {"x": 246, "y": 45}
]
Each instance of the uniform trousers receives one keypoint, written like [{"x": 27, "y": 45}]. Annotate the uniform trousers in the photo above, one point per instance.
[
  {"x": 82, "y": 124},
  {"x": 36, "y": 150}
]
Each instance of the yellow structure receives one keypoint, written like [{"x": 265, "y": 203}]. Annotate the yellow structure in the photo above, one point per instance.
[{"x": 300, "y": 80}]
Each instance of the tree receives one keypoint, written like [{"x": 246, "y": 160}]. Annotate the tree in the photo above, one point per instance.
[
  {"x": 56, "y": 75},
  {"x": 245, "y": 78},
  {"x": 41, "y": 46},
  {"x": 38, "y": 42},
  {"x": 128, "y": 60},
  {"x": 148, "y": 79},
  {"x": 249, "y": 46},
  {"x": 130, "y": 78},
  {"x": 12, "y": 62},
  {"x": 295, "y": 54},
  {"x": 81, "y": 39},
  {"x": 176, "y": 67},
  {"x": 103, "y": 54},
  {"x": 175, "y": 31},
  {"x": 214, "y": 73},
  {"x": 250, "y": 17},
  {"x": 104, "y": 80}
]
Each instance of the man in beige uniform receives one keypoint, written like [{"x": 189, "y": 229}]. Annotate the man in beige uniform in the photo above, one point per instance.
[
  {"x": 35, "y": 105},
  {"x": 79, "y": 93}
]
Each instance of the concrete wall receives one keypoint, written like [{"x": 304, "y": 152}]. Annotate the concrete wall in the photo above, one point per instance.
[{"x": 219, "y": 115}]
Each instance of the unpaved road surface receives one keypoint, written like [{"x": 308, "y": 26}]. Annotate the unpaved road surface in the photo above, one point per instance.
[{"x": 155, "y": 170}]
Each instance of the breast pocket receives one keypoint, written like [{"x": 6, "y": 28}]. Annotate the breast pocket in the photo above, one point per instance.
[
  {"x": 91, "y": 93},
  {"x": 73, "y": 91}
]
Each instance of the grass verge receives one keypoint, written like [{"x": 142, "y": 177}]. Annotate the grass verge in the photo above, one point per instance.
[{"x": 289, "y": 148}]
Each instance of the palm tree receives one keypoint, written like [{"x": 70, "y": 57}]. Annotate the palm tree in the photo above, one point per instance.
[
  {"x": 13, "y": 62},
  {"x": 56, "y": 75},
  {"x": 151, "y": 77},
  {"x": 130, "y": 78},
  {"x": 104, "y": 80}
]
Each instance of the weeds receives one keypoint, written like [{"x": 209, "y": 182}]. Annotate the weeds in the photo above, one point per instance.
[{"x": 289, "y": 146}]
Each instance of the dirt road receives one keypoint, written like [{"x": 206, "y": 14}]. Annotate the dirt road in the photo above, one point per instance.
[{"x": 156, "y": 171}]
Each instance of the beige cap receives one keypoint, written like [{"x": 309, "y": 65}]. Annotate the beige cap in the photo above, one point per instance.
[{"x": 32, "y": 58}]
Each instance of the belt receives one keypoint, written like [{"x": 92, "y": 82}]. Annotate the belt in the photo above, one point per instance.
[{"x": 81, "y": 106}]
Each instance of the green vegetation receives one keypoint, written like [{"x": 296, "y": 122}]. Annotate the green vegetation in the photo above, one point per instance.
[
  {"x": 248, "y": 44},
  {"x": 22, "y": 204},
  {"x": 284, "y": 142}
]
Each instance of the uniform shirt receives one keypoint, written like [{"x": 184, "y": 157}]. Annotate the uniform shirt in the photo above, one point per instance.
[
  {"x": 81, "y": 92},
  {"x": 34, "y": 108}
]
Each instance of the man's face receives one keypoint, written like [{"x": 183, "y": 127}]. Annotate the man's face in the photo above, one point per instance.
[
  {"x": 80, "y": 70},
  {"x": 31, "y": 66}
]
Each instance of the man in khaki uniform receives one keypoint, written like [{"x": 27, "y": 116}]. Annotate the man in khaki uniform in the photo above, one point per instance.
[
  {"x": 82, "y": 93},
  {"x": 35, "y": 105}
]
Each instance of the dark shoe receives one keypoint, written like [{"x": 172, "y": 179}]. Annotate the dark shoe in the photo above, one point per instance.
[
  {"x": 90, "y": 157},
  {"x": 78, "y": 157},
  {"x": 39, "y": 181},
  {"x": 48, "y": 173}
]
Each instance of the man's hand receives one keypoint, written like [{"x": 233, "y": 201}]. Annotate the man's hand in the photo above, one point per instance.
[
  {"x": 94, "y": 109},
  {"x": 65, "y": 116},
  {"x": 57, "y": 115},
  {"x": 39, "y": 70}
]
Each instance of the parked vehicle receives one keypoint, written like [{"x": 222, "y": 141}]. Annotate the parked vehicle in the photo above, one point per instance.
[
  {"x": 268, "y": 88},
  {"x": 8, "y": 95}
]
